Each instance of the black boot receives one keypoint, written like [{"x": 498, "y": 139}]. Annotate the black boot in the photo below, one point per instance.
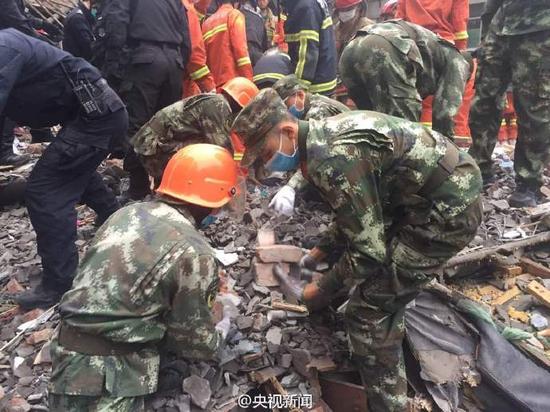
[
  {"x": 7, "y": 157},
  {"x": 43, "y": 296},
  {"x": 523, "y": 196}
]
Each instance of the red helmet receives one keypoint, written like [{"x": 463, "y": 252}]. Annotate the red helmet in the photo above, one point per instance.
[
  {"x": 346, "y": 4},
  {"x": 388, "y": 10}
]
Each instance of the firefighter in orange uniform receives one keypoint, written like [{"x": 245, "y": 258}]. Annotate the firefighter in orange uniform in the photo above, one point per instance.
[
  {"x": 448, "y": 19},
  {"x": 224, "y": 36},
  {"x": 197, "y": 77}
]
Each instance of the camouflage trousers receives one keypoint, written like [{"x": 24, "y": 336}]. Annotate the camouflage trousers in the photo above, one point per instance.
[
  {"x": 375, "y": 313},
  {"x": 381, "y": 78},
  {"x": 73, "y": 403},
  {"x": 524, "y": 61}
]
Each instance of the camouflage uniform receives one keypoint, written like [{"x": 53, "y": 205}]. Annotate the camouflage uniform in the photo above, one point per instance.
[
  {"x": 148, "y": 276},
  {"x": 316, "y": 107},
  {"x": 390, "y": 67},
  {"x": 204, "y": 118},
  {"x": 516, "y": 50},
  {"x": 371, "y": 169}
]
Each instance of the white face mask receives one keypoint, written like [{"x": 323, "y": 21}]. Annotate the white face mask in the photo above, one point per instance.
[{"x": 346, "y": 16}]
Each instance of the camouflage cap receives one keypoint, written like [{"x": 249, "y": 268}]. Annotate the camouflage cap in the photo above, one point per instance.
[
  {"x": 253, "y": 123},
  {"x": 288, "y": 85}
]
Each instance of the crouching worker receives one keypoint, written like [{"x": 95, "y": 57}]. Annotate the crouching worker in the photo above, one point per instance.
[
  {"x": 148, "y": 280},
  {"x": 405, "y": 200}
]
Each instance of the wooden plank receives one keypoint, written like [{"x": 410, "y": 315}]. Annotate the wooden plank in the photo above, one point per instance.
[
  {"x": 540, "y": 292},
  {"x": 534, "y": 268},
  {"x": 511, "y": 271},
  {"x": 506, "y": 296},
  {"x": 289, "y": 307}
]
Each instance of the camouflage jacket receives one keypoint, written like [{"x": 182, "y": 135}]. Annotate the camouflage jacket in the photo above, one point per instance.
[
  {"x": 148, "y": 276},
  {"x": 441, "y": 69},
  {"x": 515, "y": 17},
  {"x": 370, "y": 167},
  {"x": 204, "y": 118},
  {"x": 318, "y": 107}
]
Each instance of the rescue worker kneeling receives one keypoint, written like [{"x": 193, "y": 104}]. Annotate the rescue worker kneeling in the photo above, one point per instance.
[{"x": 148, "y": 276}]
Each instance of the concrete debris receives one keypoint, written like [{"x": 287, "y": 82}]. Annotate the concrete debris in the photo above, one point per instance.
[{"x": 198, "y": 389}]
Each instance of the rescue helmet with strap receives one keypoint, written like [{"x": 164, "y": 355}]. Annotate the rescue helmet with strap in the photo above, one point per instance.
[
  {"x": 241, "y": 90},
  {"x": 201, "y": 174}
]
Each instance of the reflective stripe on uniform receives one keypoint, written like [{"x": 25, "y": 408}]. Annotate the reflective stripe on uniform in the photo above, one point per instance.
[
  {"x": 263, "y": 76},
  {"x": 303, "y": 35},
  {"x": 326, "y": 23},
  {"x": 215, "y": 30},
  {"x": 197, "y": 74},
  {"x": 238, "y": 156},
  {"x": 323, "y": 87},
  {"x": 243, "y": 61},
  {"x": 427, "y": 124},
  {"x": 461, "y": 35}
]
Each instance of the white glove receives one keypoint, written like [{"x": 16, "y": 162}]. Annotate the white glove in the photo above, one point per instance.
[
  {"x": 283, "y": 201},
  {"x": 223, "y": 326}
]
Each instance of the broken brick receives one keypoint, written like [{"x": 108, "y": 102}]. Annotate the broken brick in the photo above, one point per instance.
[
  {"x": 279, "y": 253},
  {"x": 39, "y": 336},
  {"x": 266, "y": 237},
  {"x": 13, "y": 286},
  {"x": 323, "y": 364},
  {"x": 17, "y": 404},
  {"x": 244, "y": 322},
  {"x": 274, "y": 337},
  {"x": 264, "y": 274},
  {"x": 31, "y": 315},
  {"x": 263, "y": 375}
]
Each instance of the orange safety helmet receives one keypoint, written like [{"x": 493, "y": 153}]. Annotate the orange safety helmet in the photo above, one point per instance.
[
  {"x": 241, "y": 90},
  {"x": 346, "y": 4},
  {"x": 201, "y": 174}
]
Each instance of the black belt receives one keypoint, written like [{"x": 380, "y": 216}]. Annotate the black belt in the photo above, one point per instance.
[
  {"x": 445, "y": 167},
  {"x": 88, "y": 344}
]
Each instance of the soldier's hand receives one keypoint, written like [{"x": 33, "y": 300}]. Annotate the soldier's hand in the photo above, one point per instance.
[
  {"x": 283, "y": 201},
  {"x": 290, "y": 286}
]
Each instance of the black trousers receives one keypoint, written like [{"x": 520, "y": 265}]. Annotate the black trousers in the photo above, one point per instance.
[
  {"x": 153, "y": 81},
  {"x": 64, "y": 176}
]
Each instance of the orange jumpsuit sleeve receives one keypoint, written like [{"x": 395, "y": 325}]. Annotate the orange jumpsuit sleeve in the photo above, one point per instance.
[
  {"x": 239, "y": 47},
  {"x": 459, "y": 21},
  {"x": 196, "y": 69}
]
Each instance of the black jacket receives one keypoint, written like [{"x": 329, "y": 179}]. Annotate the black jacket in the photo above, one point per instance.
[
  {"x": 256, "y": 35},
  {"x": 33, "y": 88},
  {"x": 12, "y": 16},
  {"x": 78, "y": 34}
]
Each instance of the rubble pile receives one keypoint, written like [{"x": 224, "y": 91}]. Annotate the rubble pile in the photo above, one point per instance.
[{"x": 274, "y": 345}]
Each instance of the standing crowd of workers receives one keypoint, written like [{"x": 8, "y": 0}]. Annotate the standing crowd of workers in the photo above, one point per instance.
[{"x": 194, "y": 94}]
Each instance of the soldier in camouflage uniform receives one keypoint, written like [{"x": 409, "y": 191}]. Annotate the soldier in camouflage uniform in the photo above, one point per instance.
[
  {"x": 204, "y": 118},
  {"x": 391, "y": 66},
  {"x": 405, "y": 201},
  {"x": 304, "y": 106},
  {"x": 148, "y": 276},
  {"x": 516, "y": 50}
]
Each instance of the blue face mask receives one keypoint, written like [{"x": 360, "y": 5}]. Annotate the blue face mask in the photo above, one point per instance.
[
  {"x": 281, "y": 162},
  {"x": 208, "y": 220},
  {"x": 297, "y": 113},
  {"x": 93, "y": 12}
]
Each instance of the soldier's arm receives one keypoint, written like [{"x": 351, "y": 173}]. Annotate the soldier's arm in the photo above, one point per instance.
[
  {"x": 214, "y": 122},
  {"x": 449, "y": 92},
  {"x": 297, "y": 181},
  {"x": 349, "y": 185},
  {"x": 145, "y": 142},
  {"x": 190, "y": 326}
]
